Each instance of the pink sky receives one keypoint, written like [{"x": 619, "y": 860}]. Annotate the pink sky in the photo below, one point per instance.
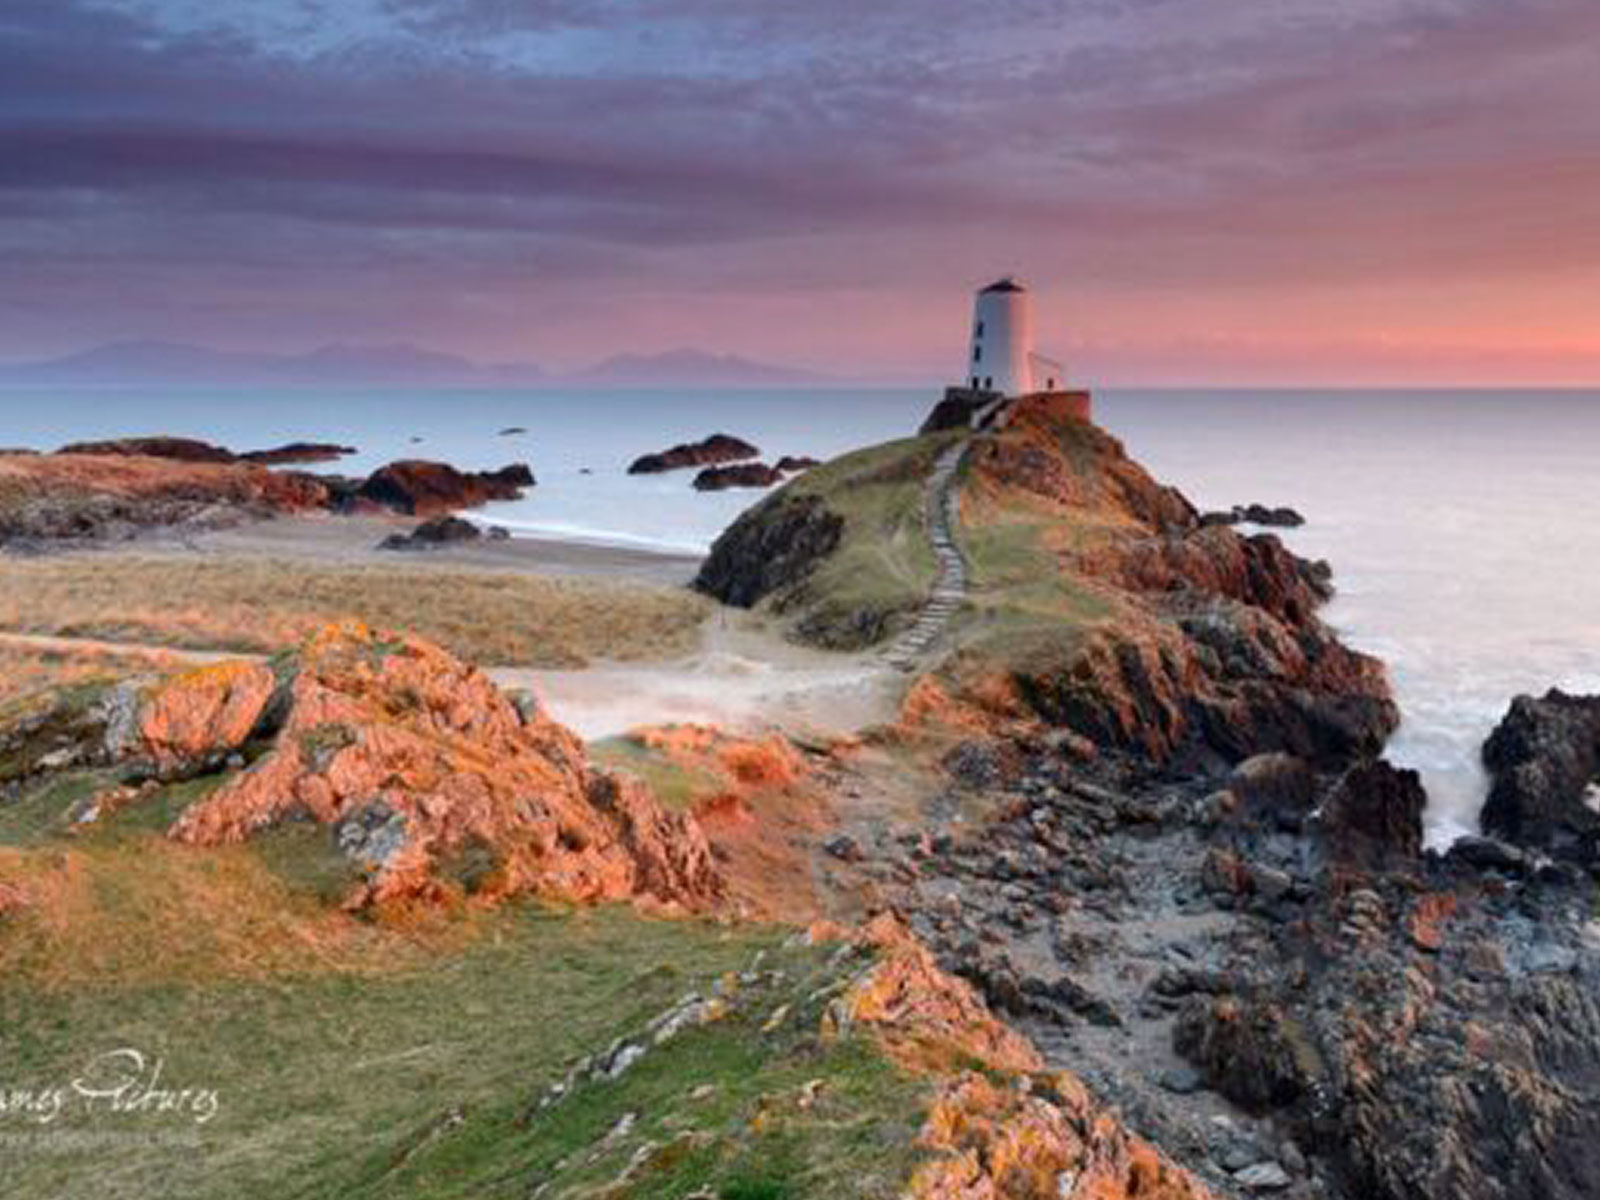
[{"x": 1250, "y": 191}]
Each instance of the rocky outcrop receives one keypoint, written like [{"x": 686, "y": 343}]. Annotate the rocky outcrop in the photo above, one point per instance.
[
  {"x": 113, "y": 491},
  {"x": 791, "y": 463},
  {"x": 430, "y": 779},
  {"x": 1000, "y": 1126},
  {"x": 718, "y": 448},
  {"x": 739, "y": 475},
  {"x": 1255, "y": 514},
  {"x": 1544, "y": 766},
  {"x": 1212, "y": 645},
  {"x": 1373, "y": 814},
  {"x": 996, "y": 1139},
  {"x": 426, "y": 489},
  {"x": 1046, "y": 456},
  {"x": 1255, "y": 571},
  {"x": 769, "y": 549},
  {"x": 179, "y": 449},
  {"x": 46, "y": 499},
  {"x": 1358, "y": 1020},
  {"x": 441, "y": 532},
  {"x": 294, "y": 453},
  {"x": 1228, "y": 680}
]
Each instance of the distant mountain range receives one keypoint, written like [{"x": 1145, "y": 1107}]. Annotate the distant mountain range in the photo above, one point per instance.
[
  {"x": 154, "y": 363},
  {"x": 692, "y": 368}
]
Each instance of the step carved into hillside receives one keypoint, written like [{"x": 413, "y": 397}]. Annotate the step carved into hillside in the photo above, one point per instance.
[{"x": 941, "y": 501}]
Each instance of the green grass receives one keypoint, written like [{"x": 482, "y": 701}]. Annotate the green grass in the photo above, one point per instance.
[
  {"x": 1023, "y": 608},
  {"x": 677, "y": 786},
  {"x": 48, "y": 810},
  {"x": 883, "y": 568},
  {"x": 422, "y": 1080}
]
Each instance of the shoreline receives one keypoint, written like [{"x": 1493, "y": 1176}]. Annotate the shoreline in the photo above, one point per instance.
[{"x": 353, "y": 541}]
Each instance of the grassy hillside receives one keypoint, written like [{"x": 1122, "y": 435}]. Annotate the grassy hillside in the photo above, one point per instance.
[
  {"x": 352, "y": 1059},
  {"x": 1024, "y": 537},
  {"x": 848, "y": 591}
]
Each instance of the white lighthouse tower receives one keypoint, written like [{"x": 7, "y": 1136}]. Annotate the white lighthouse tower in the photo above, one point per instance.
[{"x": 1001, "y": 359}]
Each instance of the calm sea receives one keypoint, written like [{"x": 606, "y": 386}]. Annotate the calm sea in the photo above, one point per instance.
[{"x": 1462, "y": 526}]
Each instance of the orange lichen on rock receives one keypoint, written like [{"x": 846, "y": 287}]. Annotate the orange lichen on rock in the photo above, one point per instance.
[
  {"x": 421, "y": 762},
  {"x": 925, "y": 1018},
  {"x": 1011, "y": 1132},
  {"x": 205, "y": 711},
  {"x": 1428, "y": 918},
  {"x": 1042, "y": 1137}
]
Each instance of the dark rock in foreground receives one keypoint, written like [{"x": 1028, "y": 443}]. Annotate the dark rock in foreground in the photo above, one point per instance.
[
  {"x": 797, "y": 462},
  {"x": 423, "y": 489},
  {"x": 1256, "y": 514},
  {"x": 718, "y": 448},
  {"x": 430, "y": 535},
  {"x": 740, "y": 475},
  {"x": 1374, "y": 813},
  {"x": 764, "y": 552},
  {"x": 1544, "y": 763}
]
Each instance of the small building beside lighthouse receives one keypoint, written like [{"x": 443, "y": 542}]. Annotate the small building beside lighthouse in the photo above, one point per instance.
[{"x": 1003, "y": 366}]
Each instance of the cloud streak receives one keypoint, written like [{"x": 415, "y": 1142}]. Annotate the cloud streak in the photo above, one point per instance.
[{"x": 809, "y": 180}]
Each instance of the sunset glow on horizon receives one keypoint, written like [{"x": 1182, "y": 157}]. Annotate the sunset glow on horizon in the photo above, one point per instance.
[{"x": 1240, "y": 192}]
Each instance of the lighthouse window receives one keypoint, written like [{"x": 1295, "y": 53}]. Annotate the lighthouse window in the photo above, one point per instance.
[
  {"x": 979, "y": 331},
  {"x": 977, "y": 354}
]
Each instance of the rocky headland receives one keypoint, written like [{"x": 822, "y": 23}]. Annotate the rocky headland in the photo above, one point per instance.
[
  {"x": 193, "y": 450},
  {"x": 1162, "y": 838},
  {"x": 710, "y": 451},
  {"x": 1121, "y": 900},
  {"x": 109, "y": 492}
]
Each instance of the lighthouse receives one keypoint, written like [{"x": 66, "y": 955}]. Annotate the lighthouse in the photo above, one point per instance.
[
  {"x": 1003, "y": 372},
  {"x": 1001, "y": 359}
]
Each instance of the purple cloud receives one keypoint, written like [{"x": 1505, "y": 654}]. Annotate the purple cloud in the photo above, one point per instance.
[{"x": 425, "y": 167}]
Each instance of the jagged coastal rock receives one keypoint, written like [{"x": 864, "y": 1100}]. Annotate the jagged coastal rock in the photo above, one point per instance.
[
  {"x": 426, "y": 489},
  {"x": 1141, "y": 911},
  {"x": 92, "y": 493},
  {"x": 1193, "y": 881},
  {"x": 1544, "y": 765},
  {"x": 295, "y": 453},
  {"x": 769, "y": 550},
  {"x": 718, "y": 448},
  {"x": 738, "y": 475},
  {"x": 46, "y": 499},
  {"x": 432, "y": 783},
  {"x": 182, "y": 449},
  {"x": 1255, "y": 514}
]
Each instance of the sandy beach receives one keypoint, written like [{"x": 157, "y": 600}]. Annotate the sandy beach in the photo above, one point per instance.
[
  {"x": 353, "y": 541},
  {"x": 724, "y": 666}
]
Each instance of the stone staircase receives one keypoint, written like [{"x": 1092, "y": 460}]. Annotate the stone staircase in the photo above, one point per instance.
[{"x": 940, "y": 506}]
